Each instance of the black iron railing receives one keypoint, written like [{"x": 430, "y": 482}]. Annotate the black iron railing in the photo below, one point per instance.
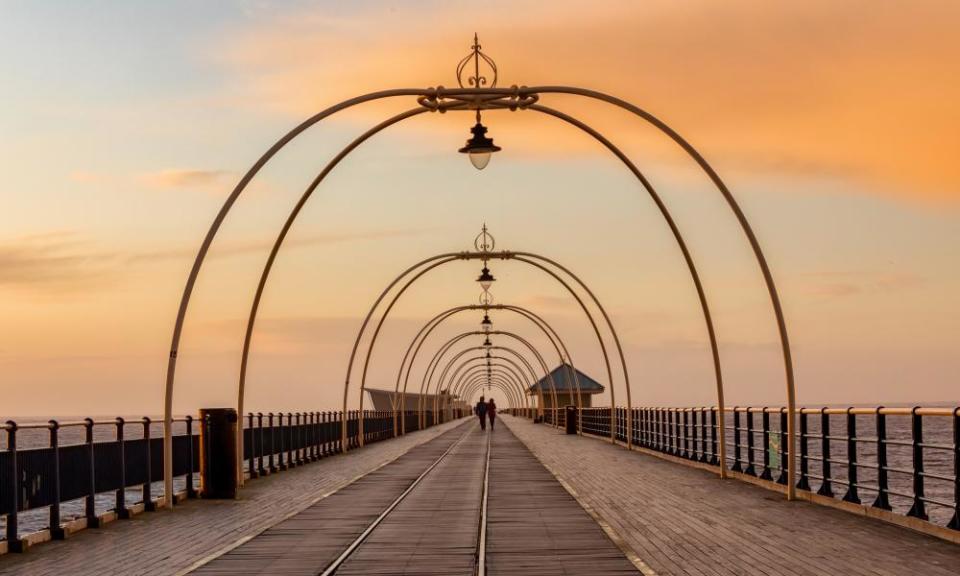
[
  {"x": 91, "y": 466},
  {"x": 904, "y": 460}
]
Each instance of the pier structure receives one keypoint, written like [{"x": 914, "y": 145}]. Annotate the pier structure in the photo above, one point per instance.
[{"x": 556, "y": 484}]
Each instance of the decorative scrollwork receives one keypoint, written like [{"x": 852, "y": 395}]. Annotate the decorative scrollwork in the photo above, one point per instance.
[
  {"x": 486, "y": 298},
  {"x": 477, "y": 80},
  {"x": 484, "y": 242}
]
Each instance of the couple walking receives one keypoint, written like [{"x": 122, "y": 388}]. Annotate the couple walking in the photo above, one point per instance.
[{"x": 486, "y": 410}]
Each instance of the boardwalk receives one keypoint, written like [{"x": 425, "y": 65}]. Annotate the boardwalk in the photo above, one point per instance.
[
  {"x": 534, "y": 527},
  {"x": 685, "y": 521},
  {"x": 164, "y": 542},
  {"x": 556, "y": 504}
]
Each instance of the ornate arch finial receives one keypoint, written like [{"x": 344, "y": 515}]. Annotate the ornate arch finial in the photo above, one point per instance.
[
  {"x": 477, "y": 80},
  {"x": 484, "y": 242}
]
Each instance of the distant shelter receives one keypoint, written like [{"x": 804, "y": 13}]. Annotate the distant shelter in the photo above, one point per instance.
[
  {"x": 386, "y": 400},
  {"x": 566, "y": 387}
]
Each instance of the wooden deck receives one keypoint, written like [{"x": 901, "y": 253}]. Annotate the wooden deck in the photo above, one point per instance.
[
  {"x": 666, "y": 518},
  {"x": 685, "y": 521},
  {"x": 535, "y": 527}
]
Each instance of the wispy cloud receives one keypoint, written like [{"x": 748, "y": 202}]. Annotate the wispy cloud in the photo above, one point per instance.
[
  {"x": 845, "y": 284},
  {"x": 190, "y": 179},
  {"x": 813, "y": 87},
  {"x": 241, "y": 248},
  {"x": 53, "y": 261}
]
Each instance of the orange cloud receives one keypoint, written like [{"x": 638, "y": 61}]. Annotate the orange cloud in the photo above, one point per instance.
[
  {"x": 207, "y": 180},
  {"x": 859, "y": 89}
]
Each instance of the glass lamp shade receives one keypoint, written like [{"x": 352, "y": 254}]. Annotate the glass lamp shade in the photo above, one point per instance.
[
  {"x": 486, "y": 279},
  {"x": 479, "y": 147},
  {"x": 479, "y": 159}
]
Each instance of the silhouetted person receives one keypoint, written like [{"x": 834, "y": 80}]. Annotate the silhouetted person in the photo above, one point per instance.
[
  {"x": 492, "y": 413},
  {"x": 481, "y": 411}
]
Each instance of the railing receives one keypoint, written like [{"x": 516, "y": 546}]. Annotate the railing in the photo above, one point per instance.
[
  {"x": 88, "y": 468},
  {"x": 908, "y": 463}
]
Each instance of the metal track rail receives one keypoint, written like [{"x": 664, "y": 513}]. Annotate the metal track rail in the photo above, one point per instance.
[
  {"x": 481, "y": 569},
  {"x": 338, "y": 562}
]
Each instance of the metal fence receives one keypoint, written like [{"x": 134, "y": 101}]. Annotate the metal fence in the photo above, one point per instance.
[
  {"x": 54, "y": 464},
  {"x": 905, "y": 460}
]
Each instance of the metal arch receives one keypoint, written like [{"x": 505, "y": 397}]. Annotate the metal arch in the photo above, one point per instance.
[
  {"x": 751, "y": 238},
  {"x": 275, "y": 249},
  {"x": 425, "y": 384},
  {"x": 512, "y": 367},
  {"x": 529, "y": 347},
  {"x": 520, "y": 339},
  {"x": 512, "y": 385},
  {"x": 616, "y": 338},
  {"x": 437, "y": 261},
  {"x": 524, "y": 362},
  {"x": 681, "y": 244},
  {"x": 521, "y": 95},
  {"x": 205, "y": 247},
  {"x": 476, "y": 386},
  {"x": 496, "y": 382},
  {"x": 471, "y": 370},
  {"x": 483, "y": 378},
  {"x": 503, "y": 255},
  {"x": 613, "y": 411},
  {"x": 548, "y": 330},
  {"x": 425, "y": 332}
]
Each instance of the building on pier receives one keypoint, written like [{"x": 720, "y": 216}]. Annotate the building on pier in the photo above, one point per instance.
[
  {"x": 566, "y": 387},
  {"x": 386, "y": 400}
]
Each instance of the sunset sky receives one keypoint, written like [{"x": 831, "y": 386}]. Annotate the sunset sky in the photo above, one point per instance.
[{"x": 125, "y": 125}]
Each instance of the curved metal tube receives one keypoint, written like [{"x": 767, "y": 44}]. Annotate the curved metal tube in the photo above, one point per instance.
[
  {"x": 425, "y": 384},
  {"x": 476, "y": 386},
  {"x": 470, "y": 371},
  {"x": 428, "y": 328},
  {"x": 515, "y": 369},
  {"x": 687, "y": 257},
  {"x": 512, "y": 391},
  {"x": 451, "y": 257},
  {"x": 523, "y": 341},
  {"x": 278, "y": 243},
  {"x": 754, "y": 245},
  {"x": 478, "y": 92},
  {"x": 495, "y": 381}
]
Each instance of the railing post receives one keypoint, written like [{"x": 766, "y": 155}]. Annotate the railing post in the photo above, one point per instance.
[
  {"x": 252, "y": 466},
  {"x": 191, "y": 491},
  {"x": 121, "y": 492},
  {"x": 148, "y": 503},
  {"x": 955, "y": 521},
  {"x": 56, "y": 531},
  {"x": 765, "y": 421},
  {"x": 736, "y": 440},
  {"x": 750, "y": 455},
  {"x": 703, "y": 435},
  {"x": 883, "y": 486},
  {"x": 784, "y": 448},
  {"x": 714, "y": 425},
  {"x": 273, "y": 444},
  {"x": 804, "y": 482},
  {"x": 261, "y": 470},
  {"x": 13, "y": 536},
  {"x": 90, "y": 504},
  {"x": 918, "y": 509},
  {"x": 825, "y": 488},
  {"x": 851, "y": 495},
  {"x": 686, "y": 434}
]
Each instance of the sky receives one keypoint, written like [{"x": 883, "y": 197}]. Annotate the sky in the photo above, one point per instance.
[{"x": 125, "y": 125}]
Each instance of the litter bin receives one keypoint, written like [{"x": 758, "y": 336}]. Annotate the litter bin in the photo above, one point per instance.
[
  {"x": 218, "y": 453},
  {"x": 571, "y": 417}
]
